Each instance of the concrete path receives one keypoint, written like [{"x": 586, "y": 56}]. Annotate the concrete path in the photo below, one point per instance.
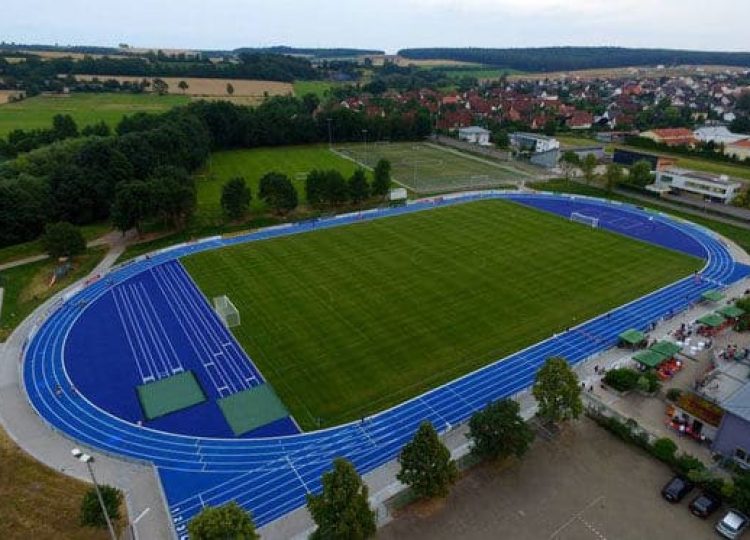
[{"x": 138, "y": 481}]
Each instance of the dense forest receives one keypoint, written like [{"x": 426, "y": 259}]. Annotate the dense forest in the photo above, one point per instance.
[
  {"x": 312, "y": 52},
  {"x": 571, "y": 58},
  {"x": 87, "y": 175}
]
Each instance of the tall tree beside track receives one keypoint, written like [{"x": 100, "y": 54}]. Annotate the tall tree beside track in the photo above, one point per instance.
[
  {"x": 235, "y": 198},
  {"x": 588, "y": 165},
  {"x": 63, "y": 240},
  {"x": 342, "y": 510},
  {"x": 226, "y": 521},
  {"x": 359, "y": 187},
  {"x": 426, "y": 464},
  {"x": 381, "y": 178},
  {"x": 498, "y": 431},
  {"x": 557, "y": 391},
  {"x": 278, "y": 192}
]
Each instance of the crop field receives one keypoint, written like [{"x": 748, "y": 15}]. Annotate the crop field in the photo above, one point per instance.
[
  {"x": 37, "y": 112},
  {"x": 199, "y": 86},
  {"x": 427, "y": 168},
  {"x": 348, "y": 321},
  {"x": 252, "y": 164}
]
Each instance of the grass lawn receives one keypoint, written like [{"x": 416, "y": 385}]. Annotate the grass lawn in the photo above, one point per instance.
[
  {"x": 34, "y": 247},
  {"x": 349, "y": 321},
  {"x": 37, "y": 112},
  {"x": 39, "y": 502},
  {"x": 27, "y": 286},
  {"x": 427, "y": 168},
  {"x": 294, "y": 161},
  {"x": 575, "y": 140},
  {"x": 319, "y": 88}
]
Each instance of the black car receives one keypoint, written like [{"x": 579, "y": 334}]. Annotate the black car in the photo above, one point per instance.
[
  {"x": 676, "y": 489},
  {"x": 704, "y": 505}
]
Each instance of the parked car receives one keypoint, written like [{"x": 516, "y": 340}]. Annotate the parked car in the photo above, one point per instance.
[
  {"x": 733, "y": 524},
  {"x": 676, "y": 489},
  {"x": 704, "y": 505}
]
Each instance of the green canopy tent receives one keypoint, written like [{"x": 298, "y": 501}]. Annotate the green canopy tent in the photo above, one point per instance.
[
  {"x": 714, "y": 320},
  {"x": 632, "y": 336},
  {"x": 731, "y": 312},
  {"x": 712, "y": 296},
  {"x": 667, "y": 348},
  {"x": 650, "y": 358}
]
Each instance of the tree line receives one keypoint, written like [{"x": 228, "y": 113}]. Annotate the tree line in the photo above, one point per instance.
[
  {"x": 571, "y": 58},
  {"x": 144, "y": 169}
]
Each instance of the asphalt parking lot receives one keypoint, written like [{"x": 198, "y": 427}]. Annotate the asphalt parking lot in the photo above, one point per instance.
[{"x": 585, "y": 485}]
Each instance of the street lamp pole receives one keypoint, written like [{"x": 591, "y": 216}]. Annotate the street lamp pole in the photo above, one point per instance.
[
  {"x": 364, "y": 136},
  {"x": 330, "y": 135},
  {"x": 87, "y": 459}
]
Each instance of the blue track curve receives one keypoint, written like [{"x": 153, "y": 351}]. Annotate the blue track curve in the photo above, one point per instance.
[{"x": 270, "y": 476}]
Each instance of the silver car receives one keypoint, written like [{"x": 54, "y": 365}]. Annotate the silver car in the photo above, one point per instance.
[{"x": 733, "y": 524}]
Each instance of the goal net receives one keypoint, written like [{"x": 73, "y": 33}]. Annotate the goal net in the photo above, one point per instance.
[
  {"x": 227, "y": 311},
  {"x": 591, "y": 221}
]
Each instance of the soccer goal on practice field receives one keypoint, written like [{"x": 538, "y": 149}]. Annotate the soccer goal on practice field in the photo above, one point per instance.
[
  {"x": 591, "y": 221},
  {"x": 227, "y": 311}
]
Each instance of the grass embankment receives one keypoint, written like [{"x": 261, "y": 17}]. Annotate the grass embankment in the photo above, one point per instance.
[
  {"x": 37, "y": 502},
  {"x": 37, "y": 112},
  {"x": 348, "y": 321},
  {"x": 27, "y": 286},
  {"x": 33, "y": 248}
]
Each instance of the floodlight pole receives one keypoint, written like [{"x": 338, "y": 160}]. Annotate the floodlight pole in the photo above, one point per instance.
[
  {"x": 330, "y": 134},
  {"x": 87, "y": 459},
  {"x": 364, "y": 136}
]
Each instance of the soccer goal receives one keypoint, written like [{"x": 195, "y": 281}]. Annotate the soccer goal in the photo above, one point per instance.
[
  {"x": 227, "y": 311},
  {"x": 591, "y": 221}
]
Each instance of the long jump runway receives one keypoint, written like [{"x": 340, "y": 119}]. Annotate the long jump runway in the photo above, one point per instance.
[{"x": 270, "y": 472}]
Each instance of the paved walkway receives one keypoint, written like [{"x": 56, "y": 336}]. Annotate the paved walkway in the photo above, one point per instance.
[{"x": 138, "y": 481}]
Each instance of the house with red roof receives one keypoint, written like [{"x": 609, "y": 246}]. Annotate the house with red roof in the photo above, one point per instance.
[
  {"x": 740, "y": 149},
  {"x": 580, "y": 120},
  {"x": 671, "y": 136}
]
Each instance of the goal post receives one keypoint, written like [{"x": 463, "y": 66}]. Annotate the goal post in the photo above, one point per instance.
[
  {"x": 227, "y": 311},
  {"x": 578, "y": 217}
]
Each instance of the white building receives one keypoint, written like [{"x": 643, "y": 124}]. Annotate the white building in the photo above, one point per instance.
[
  {"x": 713, "y": 187},
  {"x": 534, "y": 142},
  {"x": 474, "y": 135},
  {"x": 717, "y": 134}
]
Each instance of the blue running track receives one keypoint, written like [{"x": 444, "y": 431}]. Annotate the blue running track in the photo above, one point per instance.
[{"x": 79, "y": 369}]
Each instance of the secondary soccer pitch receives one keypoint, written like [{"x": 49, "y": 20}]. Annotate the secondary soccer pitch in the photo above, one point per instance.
[
  {"x": 348, "y": 321},
  {"x": 429, "y": 168}
]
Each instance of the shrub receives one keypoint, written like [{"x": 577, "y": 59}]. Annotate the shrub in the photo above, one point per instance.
[
  {"x": 91, "y": 510},
  {"x": 673, "y": 394},
  {"x": 684, "y": 463},
  {"x": 63, "y": 240},
  {"x": 664, "y": 449},
  {"x": 622, "y": 379},
  {"x": 648, "y": 382},
  {"x": 227, "y": 521}
]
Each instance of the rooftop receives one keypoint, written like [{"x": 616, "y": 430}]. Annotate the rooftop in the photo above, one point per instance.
[
  {"x": 703, "y": 176},
  {"x": 473, "y": 129},
  {"x": 533, "y": 135}
]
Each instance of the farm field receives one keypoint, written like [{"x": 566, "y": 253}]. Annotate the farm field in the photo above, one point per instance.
[
  {"x": 252, "y": 164},
  {"x": 428, "y": 168},
  {"x": 199, "y": 87},
  {"x": 346, "y": 322},
  {"x": 319, "y": 88},
  {"x": 37, "y": 112}
]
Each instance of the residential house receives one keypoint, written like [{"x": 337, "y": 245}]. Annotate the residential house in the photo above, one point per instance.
[
  {"x": 740, "y": 149},
  {"x": 714, "y": 187},
  {"x": 670, "y": 136},
  {"x": 475, "y": 135}
]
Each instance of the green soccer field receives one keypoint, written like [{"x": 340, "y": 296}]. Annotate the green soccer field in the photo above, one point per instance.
[
  {"x": 348, "y": 321},
  {"x": 429, "y": 168},
  {"x": 37, "y": 112},
  {"x": 252, "y": 164}
]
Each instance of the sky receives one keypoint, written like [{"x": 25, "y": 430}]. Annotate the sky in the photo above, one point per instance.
[{"x": 380, "y": 24}]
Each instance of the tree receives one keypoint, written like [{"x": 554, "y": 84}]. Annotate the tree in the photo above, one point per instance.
[
  {"x": 342, "y": 510},
  {"x": 100, "y": 129},
  {"x": 278, "y": 192},
  {"x": 315, "y": 187},
  {"x": 640, "y": 174},
  {"x": 359, "y": 188},
  {"x": 557, "y": 391},
  {"x": 381, "y": 181},
  {"x": 63, "y": 240},
  {"x": 550, "y": 127},
  {"x": 499, "y": 431},
  {"x": 612, "y": 176},
  {"x": 64, "y": 126},
  {"x": 160, "y": 87},
  {"x": 336, "y": 188},
  {"x": 502, "y": 139},
  {"x": 587, "y": 166},
  {"x": 426, "y": 464},
  {"x": 235, "y": 198},
  {"x": 230, "y": 89},
  {"x": 173, "y": 195},
  {"x": 91, "y": 509},
  {"x": 133, "y": 204},
  {"x": 183, "y": 85},
  {"x": 223, "y": 522},
  {"x": 569, "y": 162}
]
